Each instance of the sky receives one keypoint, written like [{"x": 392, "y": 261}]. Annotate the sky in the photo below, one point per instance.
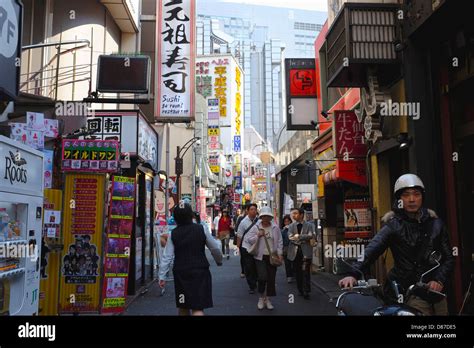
[{"x": 312, "y": 5}]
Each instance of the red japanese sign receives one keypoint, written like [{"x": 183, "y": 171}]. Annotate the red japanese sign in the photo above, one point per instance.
[
  {"x": 302, "y": 82},
  {"x": 348, "y": 135}
]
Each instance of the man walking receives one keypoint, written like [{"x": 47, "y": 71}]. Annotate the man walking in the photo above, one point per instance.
[
  {"x": 249, "y": 262},
  {"x": 300, "y": 250},
  {"x": 239, "y": 219}
]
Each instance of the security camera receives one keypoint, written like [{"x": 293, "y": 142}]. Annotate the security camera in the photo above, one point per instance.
[{"x": 198, "y": 142}]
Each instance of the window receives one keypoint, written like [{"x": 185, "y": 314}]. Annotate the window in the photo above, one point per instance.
[{"x": 308, "y": 26}]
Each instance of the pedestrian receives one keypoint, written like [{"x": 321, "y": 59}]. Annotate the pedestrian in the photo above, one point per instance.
[
  {"x": 223, "y": 232},
  {"x": 192, "y": 278},
  {"x": 233, "y": 228},
  {"x": 215, "y": 224},
  {"x": 300, "y": 250},
  {"x": 266, "y": 271},
  {"x": 412, "y": 232},
  {"x": 290, "y": 274},
  {"x": 250, "y": 269},
  {"x": 197, "y": 220},
  {"x": 239, "y": 219}
]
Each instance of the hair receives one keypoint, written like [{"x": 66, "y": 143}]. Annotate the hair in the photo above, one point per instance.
[
  {"x": 286, "y": 217},
  {"x": 300, "y": 210},
  {"x": 183, "y": 216},
  {"x": 197, "y": 216},
  {"x": 250, "y": 205}
]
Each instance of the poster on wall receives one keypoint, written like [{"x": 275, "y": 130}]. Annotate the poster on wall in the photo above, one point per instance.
[
  {"x": 82, "y": 225},
  {"x": 48, "y": 168},
  {"x": 357, "y": 219},
  {"x": 118, "y": 244}
]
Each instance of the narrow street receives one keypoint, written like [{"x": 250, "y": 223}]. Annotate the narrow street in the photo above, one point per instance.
[{"x": 231, "y": 297}]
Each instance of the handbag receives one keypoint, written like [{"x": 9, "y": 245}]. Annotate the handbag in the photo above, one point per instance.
[
  {"x": 254, "y": 248},
  {"x": 274, "y": 258}
]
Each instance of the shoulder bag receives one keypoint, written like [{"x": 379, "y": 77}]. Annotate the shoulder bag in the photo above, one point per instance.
[{"x": 274, "y": 258}]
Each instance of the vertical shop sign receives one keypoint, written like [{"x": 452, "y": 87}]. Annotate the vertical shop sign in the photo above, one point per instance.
[{"x": 175, "y": 59}]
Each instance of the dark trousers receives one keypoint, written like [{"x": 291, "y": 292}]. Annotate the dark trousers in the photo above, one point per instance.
[
  {"x": 242, "y": 263},
  {"x": 266, "y": 276},
  {"x": 302, "y": 267},
  {"x": 290, "y": 272},
  {"x": 250, "y": 269}
]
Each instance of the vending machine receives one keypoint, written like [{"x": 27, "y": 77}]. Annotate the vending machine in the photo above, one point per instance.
[{"x": 21, "y": 205}]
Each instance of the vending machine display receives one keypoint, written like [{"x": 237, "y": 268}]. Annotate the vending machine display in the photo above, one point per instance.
[{"x": 21, "y": 201}]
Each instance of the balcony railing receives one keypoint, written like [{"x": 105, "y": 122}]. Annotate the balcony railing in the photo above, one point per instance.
[{"x": 43, "y": 76}]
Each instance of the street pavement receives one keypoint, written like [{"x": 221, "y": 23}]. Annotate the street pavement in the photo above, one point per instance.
[{"x": 231, "y": 297}]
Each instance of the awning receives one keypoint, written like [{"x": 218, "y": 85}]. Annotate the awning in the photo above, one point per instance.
[{"x": 353, "y": 171}]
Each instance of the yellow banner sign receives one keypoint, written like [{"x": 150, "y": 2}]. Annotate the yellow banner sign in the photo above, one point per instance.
[{"x": 82, "y": 230}]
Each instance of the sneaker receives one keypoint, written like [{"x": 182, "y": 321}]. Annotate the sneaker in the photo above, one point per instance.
[
  {"x": 242, "y": 275},
  {"x": 228, "y": 256},
  {"x": 261, "y": 303},
  {"x": 269, "y": 304}
]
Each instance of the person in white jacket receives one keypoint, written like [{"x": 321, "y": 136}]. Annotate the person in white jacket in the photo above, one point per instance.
[{"x": 266, "y": 272}]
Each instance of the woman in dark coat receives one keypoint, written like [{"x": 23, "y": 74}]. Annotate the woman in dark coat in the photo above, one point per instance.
[{"x": 192, "y": 278}]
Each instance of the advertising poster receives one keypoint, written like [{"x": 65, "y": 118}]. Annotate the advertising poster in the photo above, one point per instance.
[
  {"x": 50, "y": 260},
  {"x": 48, "y": 168},
  {"x": 82, "y": 224},
  {"x": 118, "y": 244},
  {"x": 357, "y": 219}
]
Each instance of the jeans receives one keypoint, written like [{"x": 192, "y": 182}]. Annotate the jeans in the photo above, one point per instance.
[
  {"x": 225, "y": 245},
  {"x": 440, "y": 308}
]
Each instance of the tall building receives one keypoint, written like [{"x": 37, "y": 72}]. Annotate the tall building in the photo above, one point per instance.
[{"x": 260, "y": 37}]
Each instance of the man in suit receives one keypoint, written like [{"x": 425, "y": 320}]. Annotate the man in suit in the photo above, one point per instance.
[{"x": 300, "y": 251}]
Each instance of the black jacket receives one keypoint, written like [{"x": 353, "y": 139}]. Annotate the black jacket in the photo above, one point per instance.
[
  {"x": 411, "y": 243},
  {"x": 189, "y": 247}
]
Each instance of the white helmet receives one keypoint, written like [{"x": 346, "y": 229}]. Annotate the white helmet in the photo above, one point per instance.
[
  {"x": 408, "y": 181},
  {"x": 266, "y": 211}
]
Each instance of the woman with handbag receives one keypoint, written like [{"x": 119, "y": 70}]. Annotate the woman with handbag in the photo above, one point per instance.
[
  {"x": 223, "y": 232},
  {"x": 267, "y": 248}
]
